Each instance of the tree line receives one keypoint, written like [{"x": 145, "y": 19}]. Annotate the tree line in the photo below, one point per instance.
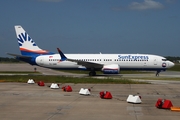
[
  {"x": 173, "y": 59},
  {"x": 9, "y": 60}
]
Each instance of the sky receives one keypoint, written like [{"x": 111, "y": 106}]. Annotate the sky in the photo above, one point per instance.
[{"x": 93, "y": 26}]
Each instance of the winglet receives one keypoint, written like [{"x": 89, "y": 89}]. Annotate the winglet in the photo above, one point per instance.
[{"x": 63, "y": 57}]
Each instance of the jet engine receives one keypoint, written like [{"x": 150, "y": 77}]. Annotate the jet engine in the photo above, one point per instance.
[{"x": 111, "y": 69}]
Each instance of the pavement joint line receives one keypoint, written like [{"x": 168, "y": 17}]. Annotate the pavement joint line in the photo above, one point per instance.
[{"x": 58, "y": 111}]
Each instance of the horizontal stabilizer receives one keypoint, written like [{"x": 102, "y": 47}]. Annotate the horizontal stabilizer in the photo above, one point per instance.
[{"x": 20, "y": 56}]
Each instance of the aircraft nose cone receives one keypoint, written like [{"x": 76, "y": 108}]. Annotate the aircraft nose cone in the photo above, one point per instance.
[{"x": 171, "y": 64}]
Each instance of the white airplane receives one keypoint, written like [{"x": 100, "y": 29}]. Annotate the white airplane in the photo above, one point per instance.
[{"x": 107, "y": 63}]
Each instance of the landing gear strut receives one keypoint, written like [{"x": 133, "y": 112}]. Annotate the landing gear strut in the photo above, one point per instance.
[
  {"x": 157, "y": 73},
  {"x": 92, "y": 73}
]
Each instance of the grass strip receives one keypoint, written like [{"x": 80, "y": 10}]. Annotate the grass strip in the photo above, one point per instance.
[
  {"x": 19, "y": 72},
  {"x": 63, "y": 79}
]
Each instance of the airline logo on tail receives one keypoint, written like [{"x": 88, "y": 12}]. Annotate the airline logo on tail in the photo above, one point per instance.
[
  {"x": 24, "y": 39},
  {"x": 26, "y": 44}
]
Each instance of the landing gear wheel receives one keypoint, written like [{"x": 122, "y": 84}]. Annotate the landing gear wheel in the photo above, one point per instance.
[
  {"x": 92, "y": 73},
  {"x": 157, "y": 73}
]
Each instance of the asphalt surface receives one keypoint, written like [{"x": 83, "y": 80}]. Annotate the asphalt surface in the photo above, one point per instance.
[
  {"x": 21, "y": 101},
  {"x": 28, "y": 67},
  {"x": 25, "y": 101}
]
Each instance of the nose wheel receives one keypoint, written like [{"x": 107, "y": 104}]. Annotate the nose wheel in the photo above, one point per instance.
[{"x": 157, "y": 73}]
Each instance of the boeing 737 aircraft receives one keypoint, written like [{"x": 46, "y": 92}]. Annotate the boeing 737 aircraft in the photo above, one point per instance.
[{"x": 107, "y": 63}]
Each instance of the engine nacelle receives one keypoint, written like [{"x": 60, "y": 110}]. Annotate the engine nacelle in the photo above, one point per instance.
[{"x": 111, "y": 69}]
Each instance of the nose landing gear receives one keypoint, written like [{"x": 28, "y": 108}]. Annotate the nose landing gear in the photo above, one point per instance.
[{"x": 157, "y": 73}]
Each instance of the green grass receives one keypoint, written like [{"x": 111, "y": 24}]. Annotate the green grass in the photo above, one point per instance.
[{"x": 62, "y": 79}]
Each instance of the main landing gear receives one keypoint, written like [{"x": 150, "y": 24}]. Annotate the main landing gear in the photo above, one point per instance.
[{"x": 92, "y": 73}]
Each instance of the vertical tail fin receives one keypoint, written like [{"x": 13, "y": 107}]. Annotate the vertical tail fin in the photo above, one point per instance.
[{"x": 26, "y": 45}]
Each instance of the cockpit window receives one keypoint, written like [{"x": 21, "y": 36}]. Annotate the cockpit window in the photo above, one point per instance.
[{"x": 164, "y": 59}]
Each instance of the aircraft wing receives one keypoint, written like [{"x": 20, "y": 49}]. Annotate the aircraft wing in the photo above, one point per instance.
[
  {"x": 20, "y": 56},
  {"x": 86, "y": 64}
]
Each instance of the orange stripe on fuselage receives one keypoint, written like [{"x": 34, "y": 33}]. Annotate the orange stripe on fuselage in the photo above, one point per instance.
[{"x": 34, "y": 51}]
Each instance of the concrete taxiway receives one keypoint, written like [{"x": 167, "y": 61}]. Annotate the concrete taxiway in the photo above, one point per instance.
[
  {"x": 30, "y": 101},
  {"x": 26, "y": 101},
  {"x": 28, "y": 67}
]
